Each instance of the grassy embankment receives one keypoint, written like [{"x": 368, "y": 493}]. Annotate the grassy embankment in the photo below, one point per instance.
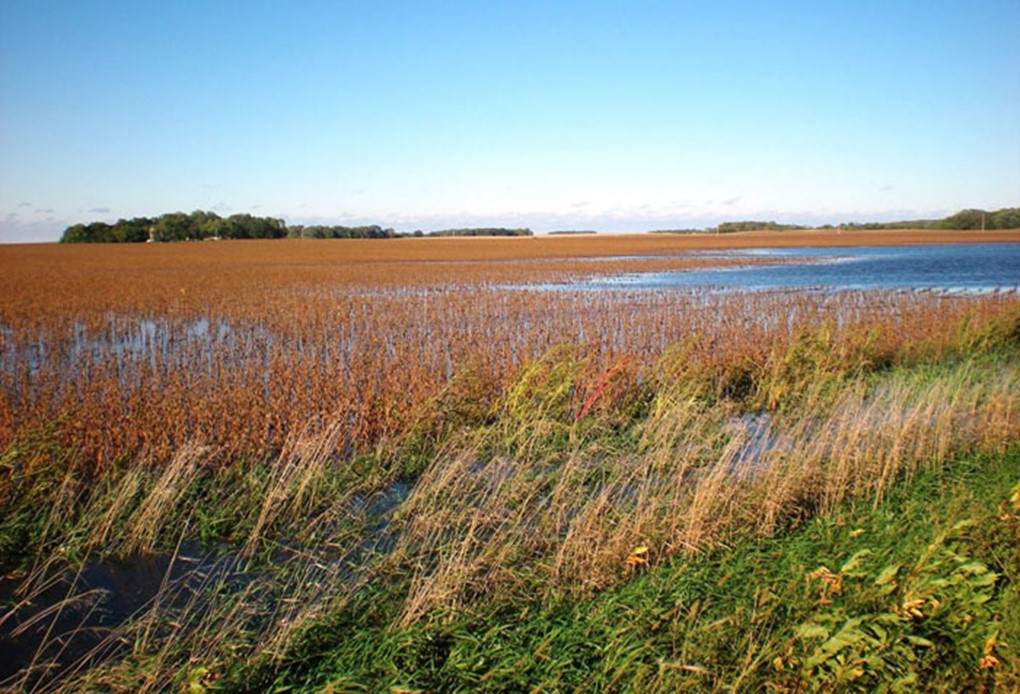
[
  {"x": 592, "y": 517},
  {"x": 916, "y": 593}
]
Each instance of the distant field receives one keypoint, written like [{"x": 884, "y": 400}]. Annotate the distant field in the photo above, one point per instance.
[
  {"x": 38, "y": 273},
  {"x": 570, "y": 245}
]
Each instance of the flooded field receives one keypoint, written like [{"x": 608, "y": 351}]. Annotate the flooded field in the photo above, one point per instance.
[
  {"x": 206, "y": 450},
  {"x": 953, "y": 268}
]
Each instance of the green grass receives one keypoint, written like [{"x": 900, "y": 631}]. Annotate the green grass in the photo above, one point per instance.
[{"x": 757, "y": 616}]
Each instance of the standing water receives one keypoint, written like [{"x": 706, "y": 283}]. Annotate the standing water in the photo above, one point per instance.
[{"x": 970, "y": 268}]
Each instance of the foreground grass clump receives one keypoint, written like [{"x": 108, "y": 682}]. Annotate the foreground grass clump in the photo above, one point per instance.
[{"x": 918, "y": 593}]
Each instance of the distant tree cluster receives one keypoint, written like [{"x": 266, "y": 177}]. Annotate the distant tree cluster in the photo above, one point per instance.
[
  {"x": 572, "y": 232},
  {"x": 484, "y": 231},
  {"x": 200, "y": 225},
  {"x": 1006, "y": 218},
  {"x": 965, "y": 220},
  {"x": 340, "y": 232},
  {"x": 177, "y": 226},
  {"x": 732, "y": 227},
  {"x": 905, "y": 224},
  {"x": 135, "y": 230}
]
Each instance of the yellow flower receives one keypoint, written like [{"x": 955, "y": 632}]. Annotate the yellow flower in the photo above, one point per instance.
[{"x": 638, "y": 557}]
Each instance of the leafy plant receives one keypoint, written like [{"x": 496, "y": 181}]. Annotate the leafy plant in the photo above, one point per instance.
[{"x": 926, "y": 619}]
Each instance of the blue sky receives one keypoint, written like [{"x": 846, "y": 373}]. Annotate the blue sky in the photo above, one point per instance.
[{"x": 608, "y": 115}]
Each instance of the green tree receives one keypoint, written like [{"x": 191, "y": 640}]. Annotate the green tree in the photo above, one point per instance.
[
  {"x": 131, "y": 231},
  {"x": 1007, "y": 218},
  {"x": 175, "y": 226},
  {"x": 74, "y": 234},
  {"x": 965, "y": 220}
]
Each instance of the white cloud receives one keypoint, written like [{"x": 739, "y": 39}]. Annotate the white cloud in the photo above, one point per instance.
[{"x": 15, "y": 230}]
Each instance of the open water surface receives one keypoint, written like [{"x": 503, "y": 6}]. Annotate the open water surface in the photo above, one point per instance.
[
  {"x": 967, "y": 268},
  {"x": 76, "y": 612}
]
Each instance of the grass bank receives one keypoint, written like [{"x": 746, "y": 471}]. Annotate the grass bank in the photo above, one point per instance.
[{"x": 917, "y": 593}]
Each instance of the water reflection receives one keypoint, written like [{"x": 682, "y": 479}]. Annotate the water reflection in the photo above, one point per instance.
[{"x": 970, "y": 268}]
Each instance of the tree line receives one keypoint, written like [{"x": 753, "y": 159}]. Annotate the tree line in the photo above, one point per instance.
[
  {"x": 964, "y": 220},
  {"x": 201, "y": 225},
  {"x": 177, "y": 226},
  {"x": 733, "y": 227},
  {"x": 484, "y": 231},
  {"x": 321, "y": 231}
]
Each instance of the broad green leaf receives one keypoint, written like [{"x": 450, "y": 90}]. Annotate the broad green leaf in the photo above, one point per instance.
[
  {"x": 986, "y": 580},
  {"x": 852, "y": 565},
  {"x": 907, "y": 683},
  {"x": 974, "y": 567},
  {"x": 888, "y": 574},
  {"x": 812, "y": 631}
]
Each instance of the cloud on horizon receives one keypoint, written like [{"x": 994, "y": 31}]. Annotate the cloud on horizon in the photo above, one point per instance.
[{"x": 15, "y": 230}]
